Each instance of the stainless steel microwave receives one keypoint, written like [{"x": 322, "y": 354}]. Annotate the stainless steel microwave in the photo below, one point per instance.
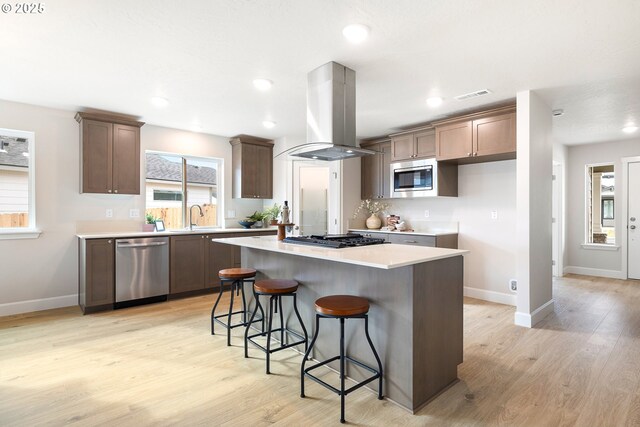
[{"x": 421, "y": 178}]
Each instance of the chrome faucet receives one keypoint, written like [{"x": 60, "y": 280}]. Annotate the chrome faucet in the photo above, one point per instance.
[{"x": 191, "y": 215}]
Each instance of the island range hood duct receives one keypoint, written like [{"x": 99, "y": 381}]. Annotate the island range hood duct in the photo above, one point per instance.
[{"x": 331, "y": 115}]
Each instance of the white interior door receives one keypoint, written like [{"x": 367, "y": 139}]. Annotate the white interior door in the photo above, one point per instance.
[{"x": 633, "y": 221}]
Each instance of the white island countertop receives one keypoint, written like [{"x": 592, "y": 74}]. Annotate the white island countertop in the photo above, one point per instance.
[{"x": 385, "y": 256}]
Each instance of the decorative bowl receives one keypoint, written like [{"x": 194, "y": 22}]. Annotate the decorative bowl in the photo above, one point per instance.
[{"x": 246, "y": 224}]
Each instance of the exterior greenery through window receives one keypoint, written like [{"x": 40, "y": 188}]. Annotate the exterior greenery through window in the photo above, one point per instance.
[
  {"x": 17, "y": 195},
  {"x": 600, "y": 204},
  {"x": 165, "y": 180}
]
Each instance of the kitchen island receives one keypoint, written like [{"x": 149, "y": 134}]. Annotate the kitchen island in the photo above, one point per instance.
[{"x": 416, "y": 307}]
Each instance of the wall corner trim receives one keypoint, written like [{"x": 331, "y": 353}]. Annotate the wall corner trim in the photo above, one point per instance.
[
  {"x": 29, "y": 306},
  {"x": 530, "y": 320},
  {"x": 492, "y": 296}
]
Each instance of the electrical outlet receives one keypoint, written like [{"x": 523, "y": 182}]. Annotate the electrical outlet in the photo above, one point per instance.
[
  {"x": 134, "y": 213},
  {"x": 426, "y": 213},
  {"x": 231, "y": 214},
  {"x": 513, "y": 285},
  {"x": 494, "y": 214},
  {"x": 109, "y": 213}
]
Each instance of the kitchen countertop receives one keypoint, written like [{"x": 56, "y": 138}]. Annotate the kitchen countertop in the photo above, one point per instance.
[
  {"x": 415, "y": 233},
  {"x": 117, "y": 234},
  {"x": 385, "y": 256}
]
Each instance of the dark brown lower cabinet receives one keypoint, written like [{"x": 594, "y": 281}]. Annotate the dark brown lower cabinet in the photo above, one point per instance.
[
  {"x": 188, "y": 263},
  {"x": 97, "y": 274}
]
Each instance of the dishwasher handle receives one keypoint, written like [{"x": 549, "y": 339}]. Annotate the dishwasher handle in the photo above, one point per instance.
[{"x": 138, "y": 245}]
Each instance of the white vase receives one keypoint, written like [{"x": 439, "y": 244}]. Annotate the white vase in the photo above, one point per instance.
[{"x": 374, "y": 222}]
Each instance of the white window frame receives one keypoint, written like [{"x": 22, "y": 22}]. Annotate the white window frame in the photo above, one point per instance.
[{"x": 31, "y": 231}]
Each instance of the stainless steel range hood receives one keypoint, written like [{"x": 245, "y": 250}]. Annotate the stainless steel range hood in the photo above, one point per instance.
[{"x": 331, "y": 115}]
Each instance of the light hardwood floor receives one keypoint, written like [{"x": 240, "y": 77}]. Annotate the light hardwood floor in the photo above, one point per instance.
[{"x": 158, "y": 365}]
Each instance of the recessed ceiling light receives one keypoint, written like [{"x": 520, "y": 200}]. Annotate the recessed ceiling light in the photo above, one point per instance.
[
  {"x": 314, "y": 157},
  {"x": 25, "y": 154},
  {"x": 262, "y": 84},
  {"x": 159, "y": 101},
  {"x": 356, "y": 33},
  {"x": 268, "y": 124},
  {"x": 434, "y": 101},
  {"x": 629, "y": 129},
  {"x": 349, "y": 151}
]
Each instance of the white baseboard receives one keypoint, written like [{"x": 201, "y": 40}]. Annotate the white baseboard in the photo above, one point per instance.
[
  {"x": 598, "y": 272},
  {"x": 483, "y": 294},
  {"x": 530, "y": 320},
  {"x": 37, "y": 304}
]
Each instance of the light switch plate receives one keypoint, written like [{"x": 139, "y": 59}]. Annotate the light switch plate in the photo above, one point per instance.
[
  {"x": 231, "y": 213},
  {"x": 134, "y": 213},
  {"x": 494, "y": 214},
  {"x": 109, "y": 213},
  {"x": 426, "y": 214}
]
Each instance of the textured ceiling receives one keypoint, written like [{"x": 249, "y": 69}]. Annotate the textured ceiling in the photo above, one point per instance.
[{"x": 202, "y": 55}]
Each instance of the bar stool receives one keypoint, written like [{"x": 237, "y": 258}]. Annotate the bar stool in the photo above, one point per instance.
[
  {"x": 275, "y": 289},
  {"x": 237, "y": 277},
  {"x": 342, "y": 307}
]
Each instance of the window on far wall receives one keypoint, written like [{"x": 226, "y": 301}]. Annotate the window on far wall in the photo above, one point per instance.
[
  {"x": 17, "y": 195},
  {"x": 600, "y": 189},
  {"x": 166, "y": 177}
]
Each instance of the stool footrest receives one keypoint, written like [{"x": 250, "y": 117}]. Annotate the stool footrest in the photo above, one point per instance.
[
  {"x": 217, "y": 319},
  {"x": 350, "y": 389},
  {"x": 281, "y": 347}
]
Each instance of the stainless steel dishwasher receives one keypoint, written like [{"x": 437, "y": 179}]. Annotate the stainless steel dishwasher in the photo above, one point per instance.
[{"x": 142, "y": 268}]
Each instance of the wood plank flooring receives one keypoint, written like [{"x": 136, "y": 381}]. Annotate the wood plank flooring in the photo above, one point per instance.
[{"x": 158, "y": 365}]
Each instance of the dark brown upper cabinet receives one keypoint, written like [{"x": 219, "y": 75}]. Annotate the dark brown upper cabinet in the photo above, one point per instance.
[
  {"x": 376, "y": 170},
  {"x": 415, "y": 144},
  {"x": 110, "y": 153},
  {"x": 480, "y": 137},
  {"x": 252, "y": 167}
]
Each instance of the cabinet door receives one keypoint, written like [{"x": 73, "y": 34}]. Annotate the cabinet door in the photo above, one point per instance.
[
  {"x": 425, "y": 144},
  {"x": 188, "y": 263},
  {"x": 249, "y": 171},
  {"x": 494, "y": 135},
  {"x": 126, "y": 159},
  {"x": 221, "y": 256},
  {"x": 454, "y": 141},
  {"x": 100, "y": 272},
  {"x": 97, "y": 156},
  {"x": 385, "y": 172},
  {"x": 264, "y": 176},
  {"x": 370, "y": 175},
  {"x": 402, "y": 147}
]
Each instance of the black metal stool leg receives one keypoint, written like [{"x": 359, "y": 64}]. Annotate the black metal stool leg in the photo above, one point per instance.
[
  {"x": 233, "y": 284},
  {"x": 213, "y": 310},
  {"x": 244, "y": 302},
  {"x": 271, "y": 301},
  {"x": 342, "y": 373},
  {"x": 282, "y": 334},
  {"x": 306, "y": 354},
  {"x": 304, "y": 330},
  {"x": 375, "y": 353},
  {"x": 246, "y": 331}
]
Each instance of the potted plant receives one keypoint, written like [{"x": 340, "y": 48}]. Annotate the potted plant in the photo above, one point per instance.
[
  {"x": 257, "y": 217},
  {"x": 150, "y": 223},
  {"x": 272, "y": 213},
  {"x": 373, "y": 208}
]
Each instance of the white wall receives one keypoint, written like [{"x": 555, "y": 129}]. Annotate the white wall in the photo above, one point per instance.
[
  {"x": 561, "y": 158},
  {"x": 593, "y": 261},
  {"x": 533, "y": 235},
  {"x": 482, "y": 188},
  {"x": 43, "y": 273}
]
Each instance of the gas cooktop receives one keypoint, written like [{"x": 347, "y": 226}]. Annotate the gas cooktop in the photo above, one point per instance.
[{"x": 335, "y": 241}]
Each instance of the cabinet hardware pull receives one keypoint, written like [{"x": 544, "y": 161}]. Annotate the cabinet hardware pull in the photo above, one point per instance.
[
  {"x": 468, "y": 154},
  {"x": 108, "y": 191},
  {"x": 109, "y": 241},
  {"x": 475, "y": 154},
  {"x": 115, "y": 191}
]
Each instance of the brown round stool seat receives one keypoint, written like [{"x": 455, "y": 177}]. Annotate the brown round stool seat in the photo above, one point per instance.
[
  {"x": 342, "y": 305},
  {"x": 236, "y": 273},
  {"x": 275, "y": 286}
]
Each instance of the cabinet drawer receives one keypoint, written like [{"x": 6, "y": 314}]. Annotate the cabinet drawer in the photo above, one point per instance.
[{"x": 413, "y": 240}]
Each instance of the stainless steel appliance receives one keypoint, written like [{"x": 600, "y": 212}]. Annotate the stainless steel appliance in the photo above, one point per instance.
[
  {"x": 142, "y": 268},
  {"x": 335, "y": 241},
  {"x": 423, "y": 178}
]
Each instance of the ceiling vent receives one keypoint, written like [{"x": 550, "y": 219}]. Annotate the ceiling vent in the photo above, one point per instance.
[{"x": 473, "y": 94}]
